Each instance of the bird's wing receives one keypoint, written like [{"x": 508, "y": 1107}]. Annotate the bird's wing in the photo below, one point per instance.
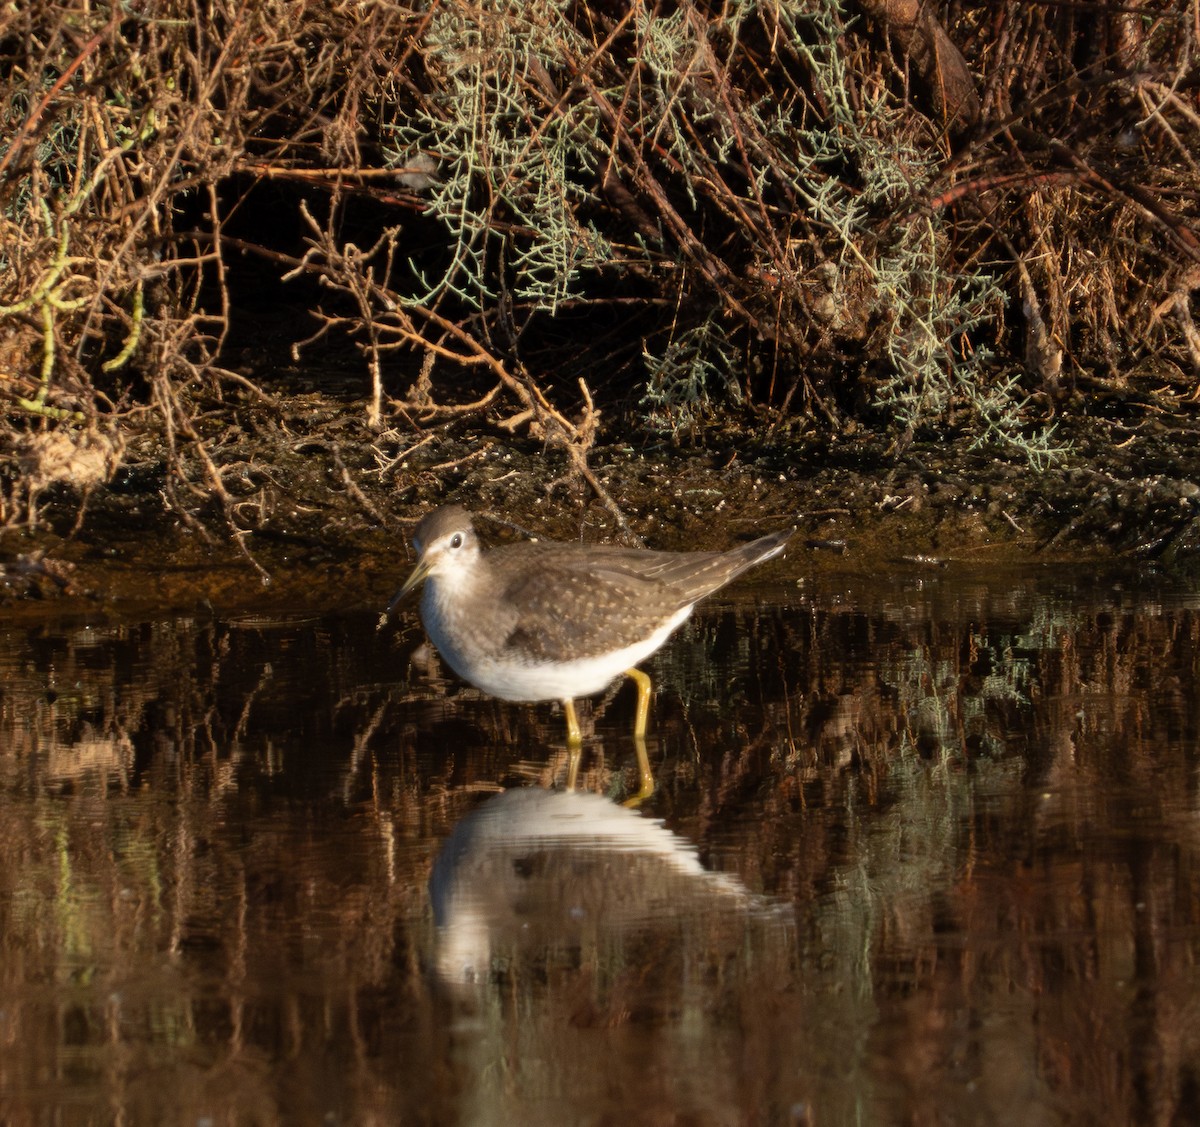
[
  {"x": 691, "y": 576},
  {"x": 565, "y": 602},
  {"x": 569, "y": 607}
]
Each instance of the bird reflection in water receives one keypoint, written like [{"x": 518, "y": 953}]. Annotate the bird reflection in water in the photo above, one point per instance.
[{"x": 535, "y": 874}]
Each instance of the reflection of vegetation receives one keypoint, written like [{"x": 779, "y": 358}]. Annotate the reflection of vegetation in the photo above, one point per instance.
[{"x": 219, "y": 835}]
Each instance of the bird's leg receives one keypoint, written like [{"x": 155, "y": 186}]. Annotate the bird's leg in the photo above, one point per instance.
[
  {"x": 643, "y": 707},
  {"x": 645, "y": 775},
  {"x": 574, "y": 743},
  {"x": 574, "y": 736}
]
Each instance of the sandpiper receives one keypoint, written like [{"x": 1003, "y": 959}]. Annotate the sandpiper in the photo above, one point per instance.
[{"x": 545, "y": 620}]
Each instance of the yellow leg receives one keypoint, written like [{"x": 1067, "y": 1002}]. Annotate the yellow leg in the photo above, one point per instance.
[
  {"x": 574, "y": 736},
  {"x": 646, "y": 777},
  {"x": 574, "y": 754},
  {"x": 643, "y": 708},
  {"x": 574, "y": 743}
]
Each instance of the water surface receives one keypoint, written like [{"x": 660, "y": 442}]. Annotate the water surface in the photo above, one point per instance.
[{"x": 923, "y": 850}]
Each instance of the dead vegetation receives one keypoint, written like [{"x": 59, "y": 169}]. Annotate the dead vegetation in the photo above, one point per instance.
[{"x": 929, "y": 218}]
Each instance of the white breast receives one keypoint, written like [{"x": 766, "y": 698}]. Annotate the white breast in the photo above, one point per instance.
[{"x": 510, "y": 676}]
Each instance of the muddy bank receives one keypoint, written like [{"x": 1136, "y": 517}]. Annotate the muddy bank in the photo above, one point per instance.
[{"x": 323, "y": 510}]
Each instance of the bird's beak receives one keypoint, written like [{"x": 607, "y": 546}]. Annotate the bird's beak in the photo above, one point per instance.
[{"x": 414, "y": 580}]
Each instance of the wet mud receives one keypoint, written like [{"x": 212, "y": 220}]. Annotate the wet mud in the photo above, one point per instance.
[{"x": 318, "y": 510}]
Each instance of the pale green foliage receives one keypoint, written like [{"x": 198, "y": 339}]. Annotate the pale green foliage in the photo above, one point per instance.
[
  {"x": 514, "y": 151},
  {"x": 929, "y": 312},
  {"x": 851, "y": 167},
  {"x": 55, "y": 155},
  {"x": 683, "y": 375},
  {"x": 679, "y": 98},
  {"x": 930, "y": 318},
  {"x": 506, "y": 161}
]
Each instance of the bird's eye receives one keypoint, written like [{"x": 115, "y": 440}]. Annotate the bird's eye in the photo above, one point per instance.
[{"x": 456, "y": 540}]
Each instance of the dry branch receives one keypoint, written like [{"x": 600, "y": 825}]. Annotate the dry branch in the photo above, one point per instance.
[{"x": 743, "y": 202}]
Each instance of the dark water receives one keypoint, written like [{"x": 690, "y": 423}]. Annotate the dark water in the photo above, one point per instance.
[{"x": 925, "y": 850}]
